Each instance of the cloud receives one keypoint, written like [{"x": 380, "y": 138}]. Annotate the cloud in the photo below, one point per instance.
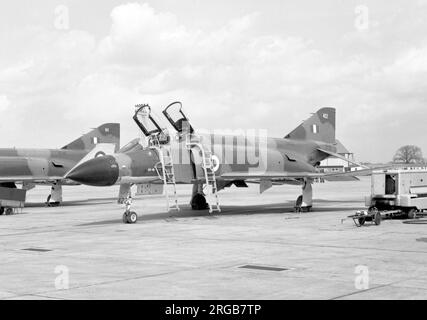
[
  {"x": 230, "y": 77},
  {"x": 4, "y": 103},
  {"x": 222, "y": 70}
]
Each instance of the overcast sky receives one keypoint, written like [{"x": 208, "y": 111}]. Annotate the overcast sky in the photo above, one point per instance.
[{"x": 67, "y": 66}]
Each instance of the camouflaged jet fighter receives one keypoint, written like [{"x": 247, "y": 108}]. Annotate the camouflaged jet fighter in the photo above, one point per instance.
[
  {"x": 212, "y": 162},
  {"x": 31, "y": 167}
]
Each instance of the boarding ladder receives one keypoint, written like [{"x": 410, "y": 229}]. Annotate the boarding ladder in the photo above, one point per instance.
[
  {"x": 193, "y": 142},
  {"x": 166, "y": 172}
]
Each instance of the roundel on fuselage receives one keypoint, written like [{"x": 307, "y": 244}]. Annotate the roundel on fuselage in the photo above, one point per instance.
[{"x": 216, "y": 163}]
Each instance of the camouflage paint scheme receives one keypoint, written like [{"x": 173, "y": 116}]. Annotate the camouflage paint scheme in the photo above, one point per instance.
[
  {"x": 293, "y": 158},
  {"x": 48, "y": 166}
]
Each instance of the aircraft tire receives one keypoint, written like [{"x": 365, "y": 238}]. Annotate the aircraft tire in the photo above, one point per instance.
[
  {"x": 9, "y": 211},
  {"x": 298, "y": 203},
  {"x": 48, "y": 200},
  {"x": 132, "y": 217},
  {"x": 199, "y": 202},
  {"x": 377, "y": 218},
  {"x": 412, "y": 214},
  {"x": 1, "y": 211}
]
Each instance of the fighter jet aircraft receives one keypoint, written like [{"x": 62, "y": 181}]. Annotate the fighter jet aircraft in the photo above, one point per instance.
[
  {"x": 30, "y": 167},
  {"x": 215, "y": 161}
]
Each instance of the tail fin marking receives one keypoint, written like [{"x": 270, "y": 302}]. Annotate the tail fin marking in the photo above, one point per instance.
[
  {"x": 106, "y": 133},
  {"x": 319, "y": 127}
]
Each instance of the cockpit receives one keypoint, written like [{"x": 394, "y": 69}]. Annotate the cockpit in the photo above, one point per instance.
[
  {"x": 134, "y": 145},
  {"x": 151, "y": 127}
]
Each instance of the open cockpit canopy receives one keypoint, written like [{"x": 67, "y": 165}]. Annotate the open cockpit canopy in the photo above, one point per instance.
[
  {"x": 149, "y": 124},
  {"x": 177, "y": 118}
]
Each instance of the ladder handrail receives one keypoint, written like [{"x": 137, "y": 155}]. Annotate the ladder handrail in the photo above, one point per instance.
[
  {"x": 168, "y": 178},
  {"x": 208, "y": 169}
]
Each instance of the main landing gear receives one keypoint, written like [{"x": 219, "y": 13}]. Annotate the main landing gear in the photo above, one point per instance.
[
  {"x": 50, "y": 203},
  {"x": 6, "y": 211},
  {"x": 304, "y": 202},
  {"x": 198, "y": 202},
  {"x": 198, "y": 199},
  {"x": 55, "y": 197}
]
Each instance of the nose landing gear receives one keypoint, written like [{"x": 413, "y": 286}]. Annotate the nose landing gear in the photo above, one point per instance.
[{"x": 129, "y": 217}]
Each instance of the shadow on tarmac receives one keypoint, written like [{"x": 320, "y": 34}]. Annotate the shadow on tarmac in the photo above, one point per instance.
[
  {"x": 230, "y": 210},
  {"x": 87, "y": 202}
]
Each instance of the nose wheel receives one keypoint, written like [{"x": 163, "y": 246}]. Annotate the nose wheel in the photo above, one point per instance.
[{"x": 130, "y": 217}]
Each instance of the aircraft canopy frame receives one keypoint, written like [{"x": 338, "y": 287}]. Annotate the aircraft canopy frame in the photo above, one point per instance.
[
  {"x": 148, "y": 125},
  {"x": 177, "y": 118}
]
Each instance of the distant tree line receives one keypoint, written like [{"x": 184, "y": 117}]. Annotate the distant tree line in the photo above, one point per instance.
[{"x": 409, "y": 155}]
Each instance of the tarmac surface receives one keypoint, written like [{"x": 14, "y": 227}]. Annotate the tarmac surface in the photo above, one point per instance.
[{"x": 258, "y": 248}]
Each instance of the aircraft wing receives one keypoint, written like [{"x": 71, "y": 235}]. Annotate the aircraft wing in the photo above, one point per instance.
[
  {"x": 41, "y": 179},
  {"x": 288, "y": 176},
  {"x": 339, "y": 176},
  {"x": 270, "y": 175}
]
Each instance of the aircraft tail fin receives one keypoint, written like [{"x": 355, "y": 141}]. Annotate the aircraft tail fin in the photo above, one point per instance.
[
  {"x": 319, "y": 127},
  {"x": 106, "y": 133}
]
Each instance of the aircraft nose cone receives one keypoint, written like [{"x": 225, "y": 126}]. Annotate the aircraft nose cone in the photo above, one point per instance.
[{"x": 99, "y": 172}]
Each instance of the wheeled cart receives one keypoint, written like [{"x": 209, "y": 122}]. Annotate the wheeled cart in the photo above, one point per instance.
[
  {"x": 400, "y": 192},
  {"x": 373, "y": 216},
  {"x": 11, "y": 200}
]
